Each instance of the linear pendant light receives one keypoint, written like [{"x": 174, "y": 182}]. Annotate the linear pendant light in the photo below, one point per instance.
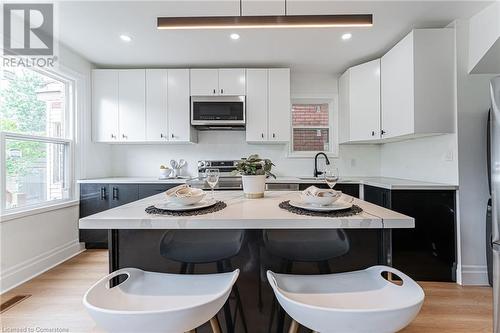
[
  {"x": 270, "y": 21},
  {"x": 252, "y": 22}
]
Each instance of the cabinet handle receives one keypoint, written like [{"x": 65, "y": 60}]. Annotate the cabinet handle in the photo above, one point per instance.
[
  {"x": 161, "y": 135},
  {"x": 222, "y": 91},
  {"x": 103, "y": 193},
  {"x": 115, "y": 193},
  {"x": 113, "y": 136},
  {"x": 274, "y": 135},
  {"x": 214, "y": 91},
  {"x": 172, "y": 135},
  {"x": 124, "y": 136},
  {"x": 262, "y": 135},
  {"x": 382, "y": 132},
  {"x": 373, "y": 133}
]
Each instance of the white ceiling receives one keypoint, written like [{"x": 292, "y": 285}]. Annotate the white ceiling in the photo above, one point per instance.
[{"x": 93, "y": 28}]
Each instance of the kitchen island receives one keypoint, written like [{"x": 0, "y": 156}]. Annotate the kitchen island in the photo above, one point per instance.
[{"x": 135, "y": 237}]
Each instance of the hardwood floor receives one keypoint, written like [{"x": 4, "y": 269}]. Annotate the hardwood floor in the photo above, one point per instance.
[{"x": 56, "y": 302}]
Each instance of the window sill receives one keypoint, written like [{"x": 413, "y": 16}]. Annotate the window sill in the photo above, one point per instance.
[
  {"x": 311, "y": 154},
  {"x": 37, "y": 210}
]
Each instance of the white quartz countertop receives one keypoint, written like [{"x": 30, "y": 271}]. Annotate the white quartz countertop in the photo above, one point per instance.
[
  {"x": 242, "y": 213},
  {"x": 383, "y": 182}
]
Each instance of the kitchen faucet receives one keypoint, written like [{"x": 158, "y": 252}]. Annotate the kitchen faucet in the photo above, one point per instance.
[{"x": 316, "y": 172}]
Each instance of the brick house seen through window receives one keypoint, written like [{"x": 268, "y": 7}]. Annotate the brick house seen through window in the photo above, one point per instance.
[{"x": 311, "y": 123}]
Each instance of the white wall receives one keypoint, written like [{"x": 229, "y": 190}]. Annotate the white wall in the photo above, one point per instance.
[
  {"x": 144, "y": 160},
  {"x": 424, "y": 159},
  {"x": 31, "y": 244},
  {"x": 473, "y": 102}
]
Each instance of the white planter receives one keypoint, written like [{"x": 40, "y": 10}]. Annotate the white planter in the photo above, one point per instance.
[{"x": 254, "y": 186}]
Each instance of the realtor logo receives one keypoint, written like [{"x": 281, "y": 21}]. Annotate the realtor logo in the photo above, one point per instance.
[{"x": 28, "y": 29}]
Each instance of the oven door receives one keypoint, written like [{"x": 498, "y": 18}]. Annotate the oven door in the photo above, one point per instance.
[{"x": 220, "y": 110}]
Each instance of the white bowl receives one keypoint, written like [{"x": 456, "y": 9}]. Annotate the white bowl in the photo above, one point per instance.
[
  {"x": 196, "y": 196},
  {"x": 321, "y": 201}
]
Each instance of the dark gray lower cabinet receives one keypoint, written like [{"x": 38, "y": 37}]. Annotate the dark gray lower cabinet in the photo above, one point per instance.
[
  {"x": 122, "y": 194},
  {"x": 427, "y": 252},
  {"x": 95, "y": 198}
]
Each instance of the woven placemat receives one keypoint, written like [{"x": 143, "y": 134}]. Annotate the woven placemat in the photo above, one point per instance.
[
  {"x": 336, "y": 213},
  {"x": 219, "y": 205}
]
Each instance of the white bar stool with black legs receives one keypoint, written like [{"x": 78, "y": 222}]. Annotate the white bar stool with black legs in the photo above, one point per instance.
[
  {"x": 354, "y": 302},
  {"x": 158, "y": 302}
]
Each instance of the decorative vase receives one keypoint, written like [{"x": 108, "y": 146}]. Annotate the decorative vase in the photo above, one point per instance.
[{"x": 254, "y": 186}]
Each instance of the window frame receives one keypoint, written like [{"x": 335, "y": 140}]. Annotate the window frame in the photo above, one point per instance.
[
  {"x": 68, "y": 141},
  {"x": 332, "y": 124}
]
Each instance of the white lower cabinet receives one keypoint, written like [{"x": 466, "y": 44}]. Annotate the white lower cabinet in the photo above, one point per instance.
[{"x": 268, "y": 105}]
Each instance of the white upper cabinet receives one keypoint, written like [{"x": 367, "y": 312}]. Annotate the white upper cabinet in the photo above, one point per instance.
[
  {"x": 141, "y": 105},
  {"x": 407, "y": 94},
  {"x": 216, "y": 82},
  {"x": 417, "y": 85},
  {"x": 156, "y": 105},
  {"x": 179, "y": 125},
  {"x": 256, "y": 105},
  {"x": 268, "y": 105},
  {"x": 279, "y": 105},
  {"x": 204, "y": 82},
  {"x": 132, "y": 104},
  {"x": 232, "y": 81},
  {"x": 105, "y": 105},
  {"x": 359, "y": 90}
]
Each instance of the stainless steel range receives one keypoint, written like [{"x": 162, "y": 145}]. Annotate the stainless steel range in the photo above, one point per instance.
[{"x": 227, "y": 180}]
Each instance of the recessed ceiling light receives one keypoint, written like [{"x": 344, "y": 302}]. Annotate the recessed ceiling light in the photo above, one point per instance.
[
  {"x": 235, "y": 36},
  {"x": 126, "y": 38},
  {"x": 346, "y": 36}
]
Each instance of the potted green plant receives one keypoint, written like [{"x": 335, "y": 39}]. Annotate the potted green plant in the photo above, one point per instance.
[{"x": 253, "y": 171}]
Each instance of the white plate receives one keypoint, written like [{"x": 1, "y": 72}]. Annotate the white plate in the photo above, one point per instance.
[
  {"x": 338, "y": 205},
  {"x": 176, "y": 207}
]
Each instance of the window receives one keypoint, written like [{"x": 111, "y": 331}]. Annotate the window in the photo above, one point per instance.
[
  {"x": 312, "y": 121},
  {"x": 36, "y": 138}
]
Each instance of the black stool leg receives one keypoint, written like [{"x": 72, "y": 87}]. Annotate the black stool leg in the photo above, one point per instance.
[
  {"x": 227, "y": 306},
  {"x": 239, "y": 305},
  {"x": 324, "y": 267},
  {"x": 281, "y": 312},
  {"x": 183, "y": 269},
  {"x": 190, "y": 268}
]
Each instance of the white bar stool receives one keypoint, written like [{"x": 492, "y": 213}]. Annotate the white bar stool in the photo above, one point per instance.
[
  {"x": 158, "y": 302},
  {"x": 355, "y": 302}
]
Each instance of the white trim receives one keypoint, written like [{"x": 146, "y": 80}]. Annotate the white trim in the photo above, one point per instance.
[
  {"x": 46, "y": 206},
  {"x": 474, "y": 275},
  {"x": 69, "y": 79},
  {"x": 27, "y": 270},
  {"x": 37, "y": 138}
]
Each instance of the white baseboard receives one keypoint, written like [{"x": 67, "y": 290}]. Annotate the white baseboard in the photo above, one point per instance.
[
  {"x": 474, "y": 275},
  {"x": 27, "y": 270}
]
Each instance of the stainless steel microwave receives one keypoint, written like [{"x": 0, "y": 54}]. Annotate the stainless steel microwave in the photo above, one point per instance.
[{"x": 218, "y": 112}]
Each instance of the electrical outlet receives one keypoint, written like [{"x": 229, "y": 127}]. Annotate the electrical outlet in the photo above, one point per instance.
[{"x": 448, "y": 156}]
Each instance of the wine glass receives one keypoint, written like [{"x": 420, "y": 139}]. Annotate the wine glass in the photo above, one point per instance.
[
  {"x": 331, "y": 175},
  {"x": 212, "y": 179}
]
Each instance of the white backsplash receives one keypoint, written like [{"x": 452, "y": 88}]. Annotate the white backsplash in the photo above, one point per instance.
[{"x": 145, "y": 160}]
